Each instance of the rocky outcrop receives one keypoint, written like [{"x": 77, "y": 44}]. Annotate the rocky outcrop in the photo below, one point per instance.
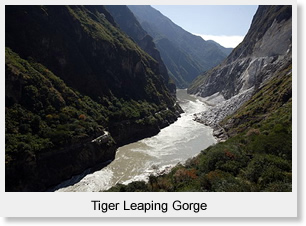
[
  {"x": 265, "y": 50},
  {"x": 217, "y": 112}
]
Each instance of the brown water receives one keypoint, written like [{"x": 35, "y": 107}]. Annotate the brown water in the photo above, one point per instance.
[{"x": 176, "y": 143}]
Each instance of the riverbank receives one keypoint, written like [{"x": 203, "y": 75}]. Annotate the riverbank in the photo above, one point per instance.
[{"x": 156, "y": 155}]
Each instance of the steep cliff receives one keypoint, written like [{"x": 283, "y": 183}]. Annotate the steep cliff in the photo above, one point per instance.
[
  {"x": 184, "y": 54},
  {"x": 264, "y": 49},
  {"x": 264, "y": 52},
  {"x": 72, "y": 75}
]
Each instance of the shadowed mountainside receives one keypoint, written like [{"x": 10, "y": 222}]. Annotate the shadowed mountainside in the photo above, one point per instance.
[{"x": 76, "y": 88}]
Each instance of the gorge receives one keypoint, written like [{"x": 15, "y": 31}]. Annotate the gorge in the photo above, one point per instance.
[
  {"x": 86, "y": 85},
  {"x": 155, "y": 155},
  {"x": 250, "y": 109}
]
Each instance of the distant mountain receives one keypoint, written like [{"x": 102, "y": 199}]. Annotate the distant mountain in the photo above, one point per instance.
[
  {"x": 76, "y": 87},
  {"x": 130, "y": 25},
  {"x": 227, "y": 51},
  {"x": 184, "y": 54}
]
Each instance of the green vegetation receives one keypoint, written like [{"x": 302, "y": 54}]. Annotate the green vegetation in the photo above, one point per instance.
[
  {"x": 43, "y": 114},
  {"x": 96, "y": 25},
  {"x": 256, "y": 157}
]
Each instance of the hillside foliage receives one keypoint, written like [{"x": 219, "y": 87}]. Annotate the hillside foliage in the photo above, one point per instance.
[{"x": 43, "y": 113}]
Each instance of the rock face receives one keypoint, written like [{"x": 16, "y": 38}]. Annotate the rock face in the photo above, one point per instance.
[
  {"x": 72, "y": 74},
  {"x": 265, "y": 50},
  {"x": 262, "y": 51},
  {"x": 184, "y": 54},
  {"x": 217, "y": 112}
]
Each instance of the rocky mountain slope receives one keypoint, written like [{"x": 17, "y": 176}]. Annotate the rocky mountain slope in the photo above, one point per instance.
[
  {"x": 264, "y": 52},
  {"x": 76, "y": 88},
  {"x": 184, "y": 54}
]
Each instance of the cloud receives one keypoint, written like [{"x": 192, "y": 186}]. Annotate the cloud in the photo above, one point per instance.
[{"x": 224, "y": 40}]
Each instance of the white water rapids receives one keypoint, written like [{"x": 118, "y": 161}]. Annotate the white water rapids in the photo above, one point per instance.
[{"x": 176, "y": 143}]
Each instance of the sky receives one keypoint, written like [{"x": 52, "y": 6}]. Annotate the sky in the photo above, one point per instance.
[{"x": 225, "y": 24}]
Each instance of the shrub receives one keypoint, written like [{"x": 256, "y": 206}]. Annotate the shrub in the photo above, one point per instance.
[
  {"x": 265, "y": 169},
  {"x": 279, "y": 187},
  {"x": 228, "y": 158},
  {"x": 220, "y": 181}
]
